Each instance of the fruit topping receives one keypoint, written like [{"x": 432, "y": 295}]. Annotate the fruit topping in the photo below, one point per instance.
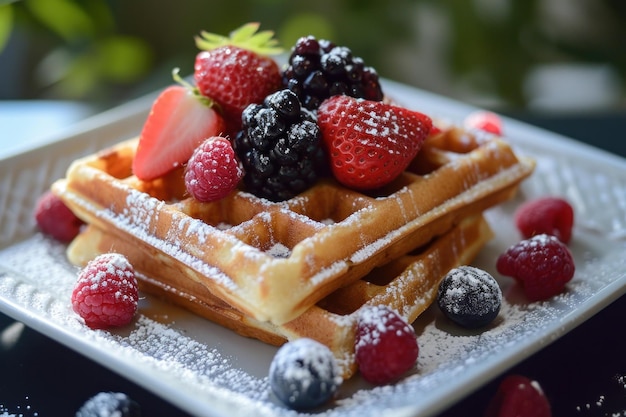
[
  {"x": 55, "y": 219},
  {"x": 385, "y": 346},
  {"x": 213, "y": 170},
  {"x": 318, "y": 69},
  {"x": 484, "y": 120},
  {"x": 470, "y": 297},
  {"x": 543, "y": 265},
  {"x": 550, "y": 215},
  {"x": 279, "y": 147},
  {"x": 109, "y": 404},
  {"x": 105, "y": 294},
  {"x": 179, "y": 121},
  {"x": 519, "y": 396},
  {"x": 369, "y": 143},
  {"x": 304, "y": 374},
  {"x": 237, "y": 70}
]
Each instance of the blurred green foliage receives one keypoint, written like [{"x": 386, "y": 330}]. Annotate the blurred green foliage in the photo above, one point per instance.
[{"x": 106, "y": 51}]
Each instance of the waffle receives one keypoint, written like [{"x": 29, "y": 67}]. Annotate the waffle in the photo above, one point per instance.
[
  {"x": 407, "y": 284},
  {"x": 273, "y": 261}
]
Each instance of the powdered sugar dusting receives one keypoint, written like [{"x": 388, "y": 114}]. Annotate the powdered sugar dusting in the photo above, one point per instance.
[{"x": 202, "y": 367}]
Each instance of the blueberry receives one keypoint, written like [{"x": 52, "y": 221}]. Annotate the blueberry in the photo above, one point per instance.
[
  {"x": 470, "y": 297},
  {"x": 105, "y": 404},
  {"x": 304, "y": 374}
]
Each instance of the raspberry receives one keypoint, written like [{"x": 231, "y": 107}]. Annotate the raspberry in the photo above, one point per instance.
[
  {"x": 109, "y": 404},
  {"x": 518, "y": 396},
  {"x": 542, "y": 265},
  {"x": 55, "y": 219},
  {"x": 469, "y": 297},
  {"x": 386, "y": 345},
  {"x": 550, "y": 215},
  {"x": 105, "y": 294},
  {"x": 304, "y": 374},
  {"x": 213, "y": 171},
  {"x": 484, "y": 120}
]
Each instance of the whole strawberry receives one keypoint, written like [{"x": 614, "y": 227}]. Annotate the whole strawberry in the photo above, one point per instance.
[
  {"x": 105, "y": 294},
  {"x": 543, "y": 265},
  {"x": 519, "y": 396},
  {"x": 213, "y": 170},
  {"x": 238, "y": 70},
  {"x": 369, "y": 143}
]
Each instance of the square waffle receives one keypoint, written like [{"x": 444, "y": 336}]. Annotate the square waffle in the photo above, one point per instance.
[
  {"x": 273, "y": 261},
  {"x": 407, "y": 284}
]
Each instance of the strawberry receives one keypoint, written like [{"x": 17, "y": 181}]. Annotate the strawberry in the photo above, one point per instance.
[
  {"x": 179, "y": 121},
  {"x": 369, "y": 143},
  {"x": 237, "y": 71},
  {"x": 484, "y": 120}
]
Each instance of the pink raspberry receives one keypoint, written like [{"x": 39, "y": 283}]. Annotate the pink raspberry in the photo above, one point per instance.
[
  {"x": 213, "y": 170},
  {"x": 518, "y": 396},
  {"x": 385, "y": 346},
  {"x": 542, "y": 265},
  {"x": 550, "y": 215},
  {"x": 484, "y": 120},
  {"x": 55, "y": 219},
  {"x": 105, "y": 294}
]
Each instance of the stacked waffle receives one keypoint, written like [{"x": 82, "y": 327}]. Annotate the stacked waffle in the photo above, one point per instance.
[{"x": 303, "y": 267}]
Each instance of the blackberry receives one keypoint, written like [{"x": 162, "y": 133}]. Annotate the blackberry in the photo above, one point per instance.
[
  {"x": 304, "y": 374},
  {"x": 109, "y": 404},
  {"x": 279, "y": 147},
  {"x": 319, "y": 69},
  {"x": 470, "y": 297}
]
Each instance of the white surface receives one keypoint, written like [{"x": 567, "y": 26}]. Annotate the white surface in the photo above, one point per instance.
[{"x": 209, "y": 371}]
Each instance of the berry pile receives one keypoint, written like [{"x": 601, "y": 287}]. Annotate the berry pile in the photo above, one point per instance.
[
  {"x": 279, "y": 147},
  {"x": 304, "y": 374},
  {"x": 318, "y": 69},
  {"x": 469, "y": 297}
]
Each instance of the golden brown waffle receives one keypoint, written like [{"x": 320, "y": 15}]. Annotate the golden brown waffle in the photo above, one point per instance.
[
  {"x": 407, "y": 284},
  {"x": 273, "y": 261}
]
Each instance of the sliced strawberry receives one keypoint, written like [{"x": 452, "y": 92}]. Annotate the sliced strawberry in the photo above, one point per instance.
[
  {"x": 179, "y": 121},
  {"x": 370, "y": 143}
]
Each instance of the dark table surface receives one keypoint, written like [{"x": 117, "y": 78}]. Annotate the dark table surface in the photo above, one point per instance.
[{"x": 583, "y": 373}]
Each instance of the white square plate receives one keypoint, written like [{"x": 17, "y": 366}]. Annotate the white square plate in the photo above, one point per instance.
[{"x": 210, "y": 371}]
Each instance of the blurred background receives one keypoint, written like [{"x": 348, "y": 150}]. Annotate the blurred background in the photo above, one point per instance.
[{"x": 535, "y": 55}]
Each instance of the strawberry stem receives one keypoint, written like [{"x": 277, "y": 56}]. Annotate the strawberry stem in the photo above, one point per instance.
[
  {"x": 207, "y": 101},
  {"x": 246, "y": 37}
]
